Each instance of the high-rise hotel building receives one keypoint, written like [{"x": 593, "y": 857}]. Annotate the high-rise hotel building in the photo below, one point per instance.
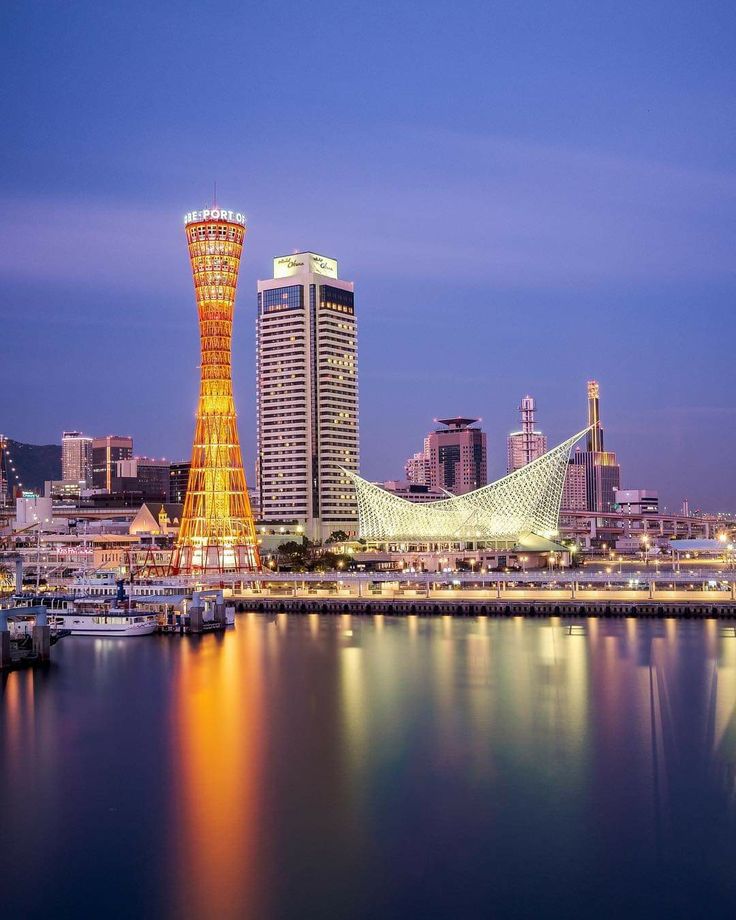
[
  {"x": 76, "y": 458},
  {"x": 307, "y": 394}
]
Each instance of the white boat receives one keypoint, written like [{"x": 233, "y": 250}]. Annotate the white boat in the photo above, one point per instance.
[
  {"x": 107, "y": 584},
  {"x": 115, "y": 622},
  {"x": 91, "y": 617}
]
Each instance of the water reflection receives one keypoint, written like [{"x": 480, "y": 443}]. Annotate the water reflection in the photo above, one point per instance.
[
  {"x": 216, "y": 774},
  {"x": 356, "y": 766}
]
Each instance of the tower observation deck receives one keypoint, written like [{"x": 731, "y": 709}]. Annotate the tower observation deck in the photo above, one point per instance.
[{"x": 217, "y": 532}]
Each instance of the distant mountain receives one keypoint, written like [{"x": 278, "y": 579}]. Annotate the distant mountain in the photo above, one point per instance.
[{"x": 34, "y": 463}]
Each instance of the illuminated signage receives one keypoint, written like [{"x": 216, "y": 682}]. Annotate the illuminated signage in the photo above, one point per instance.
[
  {"x": 302, "y": 262},
  {"x": 196, "y": 217}
]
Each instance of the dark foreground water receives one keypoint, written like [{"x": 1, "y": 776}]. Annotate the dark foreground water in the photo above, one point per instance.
[{"x": 311, "y": 767}]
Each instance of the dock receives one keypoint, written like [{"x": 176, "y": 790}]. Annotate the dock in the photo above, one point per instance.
[
  {"x": 676, "y": 594},
  {"x": 644, "y": 609},
  {"x": 28, "y": 649}
]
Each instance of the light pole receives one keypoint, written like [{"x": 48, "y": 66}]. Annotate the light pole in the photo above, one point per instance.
[{"x": 723, "y": 540}]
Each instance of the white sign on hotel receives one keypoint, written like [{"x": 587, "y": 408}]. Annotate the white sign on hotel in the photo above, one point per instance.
[{"x": 301, "y": 263}]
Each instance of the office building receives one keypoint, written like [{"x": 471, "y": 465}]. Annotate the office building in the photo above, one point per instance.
[
  {"x": 416, "y": 468},
  {"x": 178, "y": 481},
  {"x": 32, "y": 509},
  {"x": 527, "y": 444},
  {"x": 456, "y": 456},
  {"x": 63, "y": 490},
  {"x": 636, "y": 501},
  {"x": 602, "y": 471},
  {"x": 105, "y": 454},
  {"x": 574, "y": 491},
  {"x": 307, "y": 395},
  {"x": 143, "y": 474},
  {"x": 76, "y": 459},
  {"x": 217, "y": 532}
]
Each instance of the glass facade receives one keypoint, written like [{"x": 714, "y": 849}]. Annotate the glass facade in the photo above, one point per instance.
[
  {"x": 449, "y": 457},
  {"x": 283, "y": 298},
  {"x": 332, "y": 298}
]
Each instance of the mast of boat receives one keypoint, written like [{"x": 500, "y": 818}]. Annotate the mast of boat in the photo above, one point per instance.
[{"x": 38, "y": 559}]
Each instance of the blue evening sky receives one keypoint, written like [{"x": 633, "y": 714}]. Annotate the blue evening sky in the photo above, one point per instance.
[{"x": 526, "y": 194}]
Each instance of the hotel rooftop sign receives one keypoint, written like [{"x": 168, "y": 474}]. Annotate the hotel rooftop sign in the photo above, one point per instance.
[
  {"x": 300, "y": 263},
  {"x": 198, "y": 217}
]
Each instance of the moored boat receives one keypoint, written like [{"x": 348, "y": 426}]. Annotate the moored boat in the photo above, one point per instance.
[
  {"x": 91, "y": 617},
  {"x": 111, "y": 622}
]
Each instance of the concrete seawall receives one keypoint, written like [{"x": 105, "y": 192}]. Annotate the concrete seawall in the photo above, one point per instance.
[{"x": 473, "y": 608}]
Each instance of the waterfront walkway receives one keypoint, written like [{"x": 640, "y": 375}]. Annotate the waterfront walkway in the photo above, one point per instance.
[{"x": 535, "y": 594}]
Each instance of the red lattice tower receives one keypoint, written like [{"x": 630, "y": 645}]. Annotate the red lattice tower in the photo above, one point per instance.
[{"x": 217, "y": 532}]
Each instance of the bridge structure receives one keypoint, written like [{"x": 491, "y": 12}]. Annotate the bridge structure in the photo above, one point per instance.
[{"x": 595, "y": 527}]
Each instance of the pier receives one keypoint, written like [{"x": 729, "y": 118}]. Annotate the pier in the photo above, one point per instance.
[
  {"x": 479, "y": 607},
  {"x": 24, "y": 649},
  {"x": 207, "y": 612},
  {"x": 534, "y": 595}
]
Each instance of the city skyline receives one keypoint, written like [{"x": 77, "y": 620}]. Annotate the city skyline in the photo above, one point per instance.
[
  {"x": 576, "y": 243},
  {"x": 369, "y": 549},
  {"x": 495, "y": 452}
]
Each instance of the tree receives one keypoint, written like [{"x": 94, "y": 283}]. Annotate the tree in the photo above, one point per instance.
[
  {"x": 332, "y": 562},
  {"x": 294, "y": 555},
  {"x": 337, "y": 536}
]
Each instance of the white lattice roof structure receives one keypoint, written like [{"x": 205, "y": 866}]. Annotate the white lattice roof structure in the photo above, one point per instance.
[{"x": 526, "y": 501}]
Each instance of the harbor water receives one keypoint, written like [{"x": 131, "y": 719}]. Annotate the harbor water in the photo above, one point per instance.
[{"x": 359, "y": 767}]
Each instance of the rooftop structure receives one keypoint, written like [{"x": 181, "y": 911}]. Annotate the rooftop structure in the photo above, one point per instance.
[
  {"x": 527, "y": 444},
  {"x": 458, "y": 422},
  {"x": 413, "y": 491}
]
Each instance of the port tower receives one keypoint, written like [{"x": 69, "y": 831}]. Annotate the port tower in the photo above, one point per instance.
[{"x": 217, "y": 532}]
